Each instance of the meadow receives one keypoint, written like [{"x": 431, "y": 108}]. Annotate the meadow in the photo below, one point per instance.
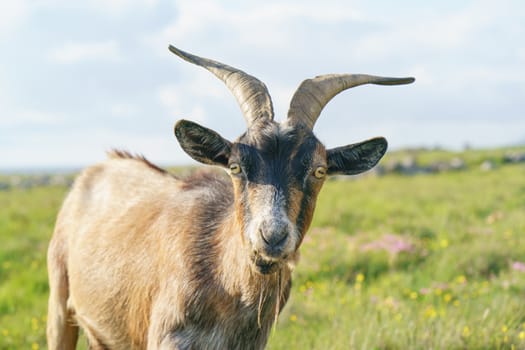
[{"x": 429, "y": 261}]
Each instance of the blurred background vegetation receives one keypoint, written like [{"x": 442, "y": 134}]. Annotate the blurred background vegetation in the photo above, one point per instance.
[{"x": 425, "y": 252}]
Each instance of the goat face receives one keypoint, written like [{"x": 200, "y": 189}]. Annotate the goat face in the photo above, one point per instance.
[
  {"x": 281, "y": 171},
  {"x": 277, "y": 169}
]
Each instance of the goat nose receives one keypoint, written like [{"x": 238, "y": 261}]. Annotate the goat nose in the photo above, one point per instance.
[{"x": 274, "y": 237}]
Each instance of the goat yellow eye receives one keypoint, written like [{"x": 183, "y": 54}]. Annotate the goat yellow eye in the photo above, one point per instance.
[
  {"x": 320, "y": 172},
  {"x": 235, "y": 168}
]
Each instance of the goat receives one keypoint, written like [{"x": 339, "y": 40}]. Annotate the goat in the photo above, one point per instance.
[{"x": 142, "y": 259}]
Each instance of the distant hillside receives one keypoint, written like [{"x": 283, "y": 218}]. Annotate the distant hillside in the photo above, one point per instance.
[
  {"x": 413, "y": 161},
  {"x": 403, "y": 162}
]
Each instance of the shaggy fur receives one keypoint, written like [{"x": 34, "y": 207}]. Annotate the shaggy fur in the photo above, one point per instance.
[
  {"x": 133, "y": 277},
  {"x": 141, "y": 259}
]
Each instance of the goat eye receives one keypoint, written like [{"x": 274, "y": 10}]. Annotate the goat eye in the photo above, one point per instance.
[
  {"x": 320, "y": 172},
  {"x": 235, "y": 168}
]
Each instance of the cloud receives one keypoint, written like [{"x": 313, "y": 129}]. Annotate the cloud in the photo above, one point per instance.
[
  {"x": 121, "y": 6},
  {"x": 124, "y": 110},
  {"x": 113, "y": 8},
  {"x": 29, "y": 117},
  {"x": 440, "y": 32},
  {"x": 88, "y": 51},
  {"x": 467, "y": 58},
  {"x": 176, "y": 100},
  {"x": 12, "y": 15},
  {"x": 435, "y": 32},
  {"x": 268, "y": 25},
  {"x": 245, "y": 21},
  {"x": 77, "y": 148}
]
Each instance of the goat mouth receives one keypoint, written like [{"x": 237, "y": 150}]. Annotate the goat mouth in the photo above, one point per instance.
[{"x": 264, "y": 266}]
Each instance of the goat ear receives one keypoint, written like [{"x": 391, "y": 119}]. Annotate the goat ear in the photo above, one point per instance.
[
  {"x": 356, "y": 158},
  {"x": 202, "y": 144}
]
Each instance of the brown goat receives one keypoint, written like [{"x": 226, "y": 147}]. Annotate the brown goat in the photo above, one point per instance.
[{"x": 141, "y": 259}]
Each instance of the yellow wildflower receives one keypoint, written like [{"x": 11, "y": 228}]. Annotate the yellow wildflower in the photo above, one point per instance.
[
  {"x": 447, "y": 298},
  {"x": 466, "y": 332},
  {"x": 360, "y": 277},
  {"x": 461, "y": 279},
  {"x": 430, "y": 312}
]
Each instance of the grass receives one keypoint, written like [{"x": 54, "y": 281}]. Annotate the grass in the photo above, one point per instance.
[
  {"x": 393, "y": 262},
  {"x": 26, "y": 222},
  {"x": 446, "y": 282}
]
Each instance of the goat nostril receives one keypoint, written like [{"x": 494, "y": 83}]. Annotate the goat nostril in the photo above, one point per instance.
[
  {"x": 273, "y": 238},
  {"x": 261, "y": 232},
  {"x": 281, "y": 238}
]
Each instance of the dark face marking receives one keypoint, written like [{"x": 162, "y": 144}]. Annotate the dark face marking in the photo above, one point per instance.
[
  {"x": 276, "y": 190},
  {"x": 277, "y": 171}
]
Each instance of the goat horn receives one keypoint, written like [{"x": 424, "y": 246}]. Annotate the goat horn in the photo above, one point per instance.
[
  {"x": 251, "y": 94},
  {"x": 313, "y": 94}
]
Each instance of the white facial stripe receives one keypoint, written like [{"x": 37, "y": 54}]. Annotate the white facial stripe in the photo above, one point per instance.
[{"x": 272, "y": 215}]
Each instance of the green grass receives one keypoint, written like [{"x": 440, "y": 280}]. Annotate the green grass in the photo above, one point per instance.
[
  {"x": 26, "y": 223},
  {"x": 455, "y": 286},
  {"x": 448, "y": 281}
]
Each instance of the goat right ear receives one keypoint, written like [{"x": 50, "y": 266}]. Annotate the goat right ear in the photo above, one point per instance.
[{"x": 202, "y": 144}]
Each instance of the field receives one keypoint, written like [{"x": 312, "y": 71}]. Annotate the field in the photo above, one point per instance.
[{"x": 428, "y": 261}]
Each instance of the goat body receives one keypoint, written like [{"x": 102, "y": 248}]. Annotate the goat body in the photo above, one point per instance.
[
  {"x": 186, "y": 277},
  {"x": 142, "y": 259}
]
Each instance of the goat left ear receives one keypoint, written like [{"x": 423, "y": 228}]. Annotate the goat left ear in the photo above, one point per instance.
[
  {"x": 202, "y": 144},
  {"x": 356, "y": 158}
]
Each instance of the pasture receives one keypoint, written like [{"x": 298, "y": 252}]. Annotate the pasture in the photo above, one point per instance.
[{"x": 428, "y": 261}]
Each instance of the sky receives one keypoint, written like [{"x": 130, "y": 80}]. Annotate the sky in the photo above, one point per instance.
[{"x": 78, "y": 78}]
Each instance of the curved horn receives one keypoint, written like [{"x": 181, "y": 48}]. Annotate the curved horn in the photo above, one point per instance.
[
  {"x": 251, "y": 94},
  {"x": 313, "y": 94}
]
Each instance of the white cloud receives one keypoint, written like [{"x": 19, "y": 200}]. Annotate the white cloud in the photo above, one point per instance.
[
  {"x": 124, "y": 110},
  {"x": 106, "y": 7},
  {"x": 187, "y": 97},
  {"x": 12, "y": 14},
  {"x": 423, "y": 74},
  {"x": 267, "y": 25},
  {"x": 88, "y": 51},
  {"x": 78, "y": 148},
  {"x": 177, "y": 102},
  {"x": 463, "y": 28},
  {"x": 119, "y": 6},
  {"x": 29, "y": 117},
  {"x": 467, "y": 58},
  {"x": 437, "y": 33}
]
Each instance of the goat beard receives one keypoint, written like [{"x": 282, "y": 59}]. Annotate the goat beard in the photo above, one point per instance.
[{"x": 270, "y": 287}]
